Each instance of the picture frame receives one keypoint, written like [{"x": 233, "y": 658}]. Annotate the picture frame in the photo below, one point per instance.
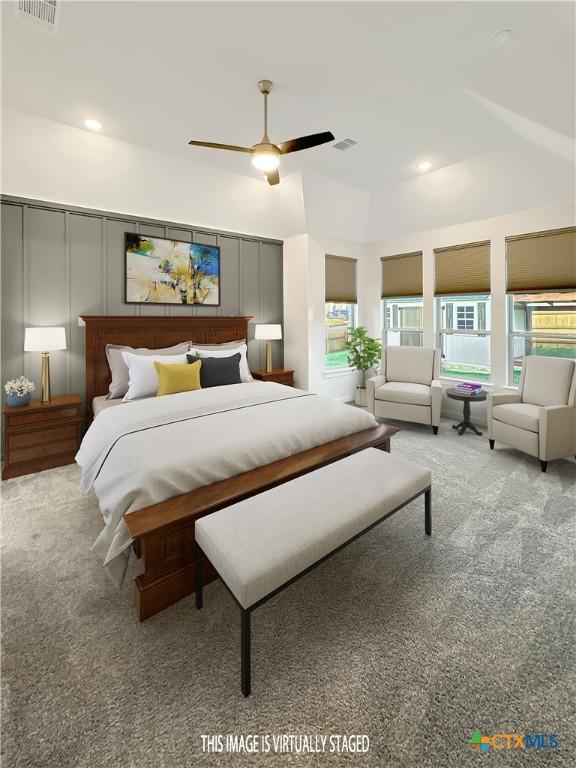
[{"x": 159, "y": 270}]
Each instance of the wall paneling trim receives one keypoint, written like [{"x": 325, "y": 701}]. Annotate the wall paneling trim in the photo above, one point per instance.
[{"x": 60, "y": 261}]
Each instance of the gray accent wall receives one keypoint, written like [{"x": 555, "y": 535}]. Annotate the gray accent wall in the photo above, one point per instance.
[{"x": 59, "y": 262}]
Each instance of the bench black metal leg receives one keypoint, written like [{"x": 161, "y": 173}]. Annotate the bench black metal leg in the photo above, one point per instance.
[
  {"x": 245, "y": 652},
  {"x": 428, "y": 511},
  {"x": 199, "y": 576},
  {"x": 245, "y": 613}
]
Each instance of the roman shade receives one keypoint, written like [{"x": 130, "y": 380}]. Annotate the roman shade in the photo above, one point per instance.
[
  {"x": 462, "y": 269},
  {"x": 341, "y": 280},
  {"x": 402, "y": 275},
  {"x": 541, "y": 261}
]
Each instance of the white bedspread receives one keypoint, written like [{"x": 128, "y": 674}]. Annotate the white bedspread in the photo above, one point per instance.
[{"x": 150, "y": 450}]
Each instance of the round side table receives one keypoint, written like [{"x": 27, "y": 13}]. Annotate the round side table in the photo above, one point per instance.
[{"x": 465, "y": 424}]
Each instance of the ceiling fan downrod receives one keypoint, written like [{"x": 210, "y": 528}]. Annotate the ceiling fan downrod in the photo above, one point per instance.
[{"x": 265, "y": 87}]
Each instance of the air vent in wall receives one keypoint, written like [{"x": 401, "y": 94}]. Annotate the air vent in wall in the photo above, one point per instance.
[
  {"x": 344, "y": 144},
  {"x": 41, "y": 11}
]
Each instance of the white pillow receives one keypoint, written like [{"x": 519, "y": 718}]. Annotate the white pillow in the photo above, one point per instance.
[
  {"x": 245, "y": 374},
  {"x": 119, "y": 370},
  {"x": 143, "y": 379}
]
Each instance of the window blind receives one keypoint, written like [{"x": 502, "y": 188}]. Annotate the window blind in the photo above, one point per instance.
[
  {"x": 462, "y": 269},
  {"x": 341, "y": 280},
  {"x": 541, "y": 261},
  {"x": 402, "y": 275}
]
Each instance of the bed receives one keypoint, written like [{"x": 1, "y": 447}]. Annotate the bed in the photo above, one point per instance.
[
  {"x": 194, "y": 452},
  {"x": 102, "y": 403}
]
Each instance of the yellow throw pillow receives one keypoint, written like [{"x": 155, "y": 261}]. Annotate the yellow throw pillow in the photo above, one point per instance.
[{"x": 177, "y": 378}]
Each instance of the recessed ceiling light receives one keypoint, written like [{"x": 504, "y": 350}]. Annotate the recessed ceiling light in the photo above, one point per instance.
[
  {"x": 425, "y": 166},
  {"x": 502, "y": 37},
  {"x": 93, "y": 125}
]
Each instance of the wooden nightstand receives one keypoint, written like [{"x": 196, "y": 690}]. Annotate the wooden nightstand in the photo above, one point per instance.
[
  {"x": 41, "y": 435},
  {"x": 279, "y": 375}
]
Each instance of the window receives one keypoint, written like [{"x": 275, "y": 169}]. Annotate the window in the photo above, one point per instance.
[
  {"x": 339, "y": 319},
  {"x": 540, "y": 323},
  {"x": 402, "y": 321},
  {"x": 465, "y": 314},
  {"x": 464, "y": 336},
  {"x": 340, "y": 308},
  {"x": 402, "y": 299},
  {"x": 462, "y": 288},
  {"x": 541, "y": 287}
]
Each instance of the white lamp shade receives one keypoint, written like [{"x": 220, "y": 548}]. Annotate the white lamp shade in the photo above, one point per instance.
[
  {"x": 44, "y": 339},
  {"x": 268, "y": 331}
]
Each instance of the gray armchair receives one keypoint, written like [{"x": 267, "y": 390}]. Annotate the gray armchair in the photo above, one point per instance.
[
  {"x": 541, "y": 418},
  {"x": 407, "y": 387}
]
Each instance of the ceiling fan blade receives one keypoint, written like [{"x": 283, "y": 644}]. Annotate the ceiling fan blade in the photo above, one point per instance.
[
  {"x": 213, "y": 145},
  {"x": 305, "y": 142},
  {"x": 273, "y": 177}
]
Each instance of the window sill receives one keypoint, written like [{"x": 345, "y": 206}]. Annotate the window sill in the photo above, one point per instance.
[
  {"x": 449, "y": 380},
  {"x": 455, "y": 380},
  {"x": 332, "y": 373}
]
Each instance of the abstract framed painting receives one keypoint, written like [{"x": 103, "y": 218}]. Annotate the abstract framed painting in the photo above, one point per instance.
[{"x": 161, "y": 271}]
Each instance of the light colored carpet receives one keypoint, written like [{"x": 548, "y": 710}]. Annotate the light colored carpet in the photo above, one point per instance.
[{"x": 413, "y": 641}]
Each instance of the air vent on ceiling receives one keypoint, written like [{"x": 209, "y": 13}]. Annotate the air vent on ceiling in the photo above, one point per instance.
[
  {"x": 344, "y": 144},
  {"x": 39, "y": 11}
]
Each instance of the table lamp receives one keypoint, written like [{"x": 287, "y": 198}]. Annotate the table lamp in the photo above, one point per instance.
[
  {"x": 45, "y": 340},
  {"x": 268, "y": 332}
]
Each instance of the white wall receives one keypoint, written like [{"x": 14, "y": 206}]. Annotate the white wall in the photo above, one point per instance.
[
  {"x": 304, "y": 314},
  {"x": 495, "y": 230},
  {"x": 304, "y": 296},
  {"x": 336, "y": 224},
  {"x": 296, "y": 301},
  {"x": 334, "y": 209},
  {"x": 51, "y": 161},
  {"x": 521, "y": 178}
]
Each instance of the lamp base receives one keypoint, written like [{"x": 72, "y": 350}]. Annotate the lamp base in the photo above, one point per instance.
[
  {"x": 268, "y": 357},
  {"x": 45, "y": 377}
]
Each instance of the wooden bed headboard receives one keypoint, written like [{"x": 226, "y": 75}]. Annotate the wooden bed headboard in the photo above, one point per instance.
[{"x": 152, "y": 332}]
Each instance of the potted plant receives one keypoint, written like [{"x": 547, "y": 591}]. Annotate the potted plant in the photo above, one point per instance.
[
  {"x": 363, "y": 354},
  {"x": 18, "y": 391}
]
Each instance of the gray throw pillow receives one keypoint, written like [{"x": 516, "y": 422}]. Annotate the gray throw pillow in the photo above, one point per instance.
[
  {"x": 218, "y": 371},
  {"x": 119, "y": 370}
]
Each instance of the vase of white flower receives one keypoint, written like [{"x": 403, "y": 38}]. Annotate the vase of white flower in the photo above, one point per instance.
[{"x": 18, "y": 391}]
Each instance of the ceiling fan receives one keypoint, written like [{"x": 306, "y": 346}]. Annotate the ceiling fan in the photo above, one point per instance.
[{"x": 265, "y": 155}]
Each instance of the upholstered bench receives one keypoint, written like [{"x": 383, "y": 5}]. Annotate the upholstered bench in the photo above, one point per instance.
[{"x": 263, "y": 544}]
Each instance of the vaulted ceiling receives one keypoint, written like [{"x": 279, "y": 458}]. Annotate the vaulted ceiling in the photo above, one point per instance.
[{"x": 399, "y": 78}]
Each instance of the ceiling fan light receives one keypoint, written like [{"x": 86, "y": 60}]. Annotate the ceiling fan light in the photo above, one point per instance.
[{"x": 266, "y": 159}]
